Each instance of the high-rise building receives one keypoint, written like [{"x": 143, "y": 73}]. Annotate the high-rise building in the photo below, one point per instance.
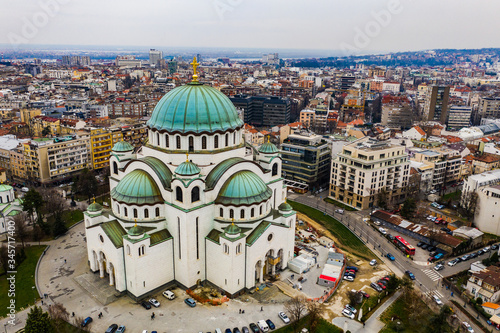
[
  {"x": 458, "y": 117},
  {"x": 263, "y": 110},
  {"x": 436, "y": 103},
  {"x": 367, "y": 169},
  {"x": 154, "y": 57},
  {"x": 172, "y": 67},
  {"x": 489, "y": 107},
  {"x": 397, "y": 112},
  {"x": 306, "y": 159}
]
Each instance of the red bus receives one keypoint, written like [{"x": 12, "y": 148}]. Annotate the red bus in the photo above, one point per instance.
[{"x": 404, "y": 245}]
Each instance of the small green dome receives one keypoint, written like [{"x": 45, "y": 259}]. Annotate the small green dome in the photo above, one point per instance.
[
  {"x": 285, "y": 206},
  {"x": 194, "y": 108},
  {"x": 138, "y": 188},
  {"x": 136, "y": 230},
  {"x": 122, "y": 146},
  {"x": 187, "y": 168},
  {"x": 268, "y": 148},
  {"x": 94, "y": 207},
  {"x": 233, "y": 229},
  {"x": 5, "y": 187},
  {"x": 243, "y": 188}
]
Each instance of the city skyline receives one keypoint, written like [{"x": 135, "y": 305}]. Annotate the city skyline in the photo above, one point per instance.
[{"x": 345, "y": 28}]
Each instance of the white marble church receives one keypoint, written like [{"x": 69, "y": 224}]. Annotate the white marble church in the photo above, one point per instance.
[{"x": 195, "y": 204}]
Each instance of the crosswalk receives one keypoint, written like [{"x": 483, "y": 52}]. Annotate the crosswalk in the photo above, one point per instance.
[
  {"x": 432, "y": 274},
  {"x": 434, "y": 293}
]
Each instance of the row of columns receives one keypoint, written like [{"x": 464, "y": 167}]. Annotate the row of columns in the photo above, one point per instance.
[{"x": 110, "y": 272}]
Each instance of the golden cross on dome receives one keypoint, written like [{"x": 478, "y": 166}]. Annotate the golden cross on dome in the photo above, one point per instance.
[
  {"x": 93, "y": 199},
  {"x": 187, "y": 157},
  {"x": 268, "y": 138},
  {"x": 135, "y": 225},
  {"x": 195, "y": 64}
]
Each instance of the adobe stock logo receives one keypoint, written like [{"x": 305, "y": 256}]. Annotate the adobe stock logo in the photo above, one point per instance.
[
  {"x": 380, "y": 19},
  {"x": 33, "y": 24},
  {"x": 223, "y": 6}
]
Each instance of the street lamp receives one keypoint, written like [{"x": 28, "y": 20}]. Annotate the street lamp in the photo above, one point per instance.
[{"x": 34, "y": 297}]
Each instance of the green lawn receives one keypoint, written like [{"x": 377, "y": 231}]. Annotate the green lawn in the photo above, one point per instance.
[
  {"x": 70, "y": 217},
  {"x": 339, "y": 204},
  {"x": 371, "y": 304},
  {"x": 25, "y": 280},
  {"x": 323, "y": 327},
  {"x": 453, "y": 196},
  {"x": 400, "y": 312},
  {"x": 346, "y": 239}
]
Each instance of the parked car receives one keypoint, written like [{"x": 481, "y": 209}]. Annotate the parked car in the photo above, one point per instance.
[
  {"x": 381, "y": 285},
  {"x": 410, "y": 274},
  {"x": 284, "y": 317},
  {"x": 439, "y": 267},
  {"x": 390, "y": 256},
  {"x": 419, "y": 244},
  {"x": 236, "y": 330},
  {"x": 112, "y": 328},
  {"x": 465, "y": 257},
  {"x": 348, "y": 313},
  {"x": 467, "y": 327},
  {"x": 350, "y": 308},
  {"x": 376, "y": 286},
  {"x": 348, "y": 278},
  {"x": 366, "y": 295},
  {"x": 191, "y": 302},
  {"x": 263, "y": 326},
  {"x": 473, "y": 255},
  {"x": 350, "y": 274},
  {"x": 168, "y": 294},
  {"x": 228, "y": 330},
  {"x": 154, "y": 302},
  {"x": 24, "y": 189},
  {"x": 245, "y": 329},
  {"x": 121, "y": 329},
  {"x": 354, "y": 268},
  {"x": 254, "y": 328},
  {"x": 373, "y": 262},
  {"x": 382, "y": 231},
  {"x": 431, "y": 248},
  {"x": 452, "y": 262},
  {"x": 146, "y": 305},
  {"x": 340, "y": 211},
  {"x": 486, "y": 249},
  {"x": 86, "y": 321},
  {"x": 270, "y": 324},
  {"x": 376, "y": 222},
  {"x": 424, "y": 246},
  {"x": 494, "y": 247},
  {"x": 437, "y": 300}
]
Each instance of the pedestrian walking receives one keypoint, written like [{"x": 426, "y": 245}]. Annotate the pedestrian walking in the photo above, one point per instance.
[
  {"x": 261, "y": 308},
  {"x": 64, "y": 260},
  {"x": 240, "y": 311},
  {"x": 42, "y": 301},
  {"x": 72, "y": 314}
]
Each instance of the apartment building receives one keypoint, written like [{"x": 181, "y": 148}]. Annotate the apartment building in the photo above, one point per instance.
[
  {"x": 458, "y": 117},
  {"x": 39, "y": 123},
  {"x": 56, "y": 159},
  {"x": 489, "y": 107},
  {"x": 306, "y": 159},
  {"x": 101, "y": 143},
  {"x": 366, "y": 167},
  {"x": 397, "y": 112},
  {"x": 485, "y": 284},
  {"x": 18, "y": 163},
  {"x": 446, "y": 165},
  {"x": 436, "y": 103}
]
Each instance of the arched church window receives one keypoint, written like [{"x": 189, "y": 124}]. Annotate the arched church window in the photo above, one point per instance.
[
  {"x": 115, "y": 168},
  {"x": 118, "y": 209},
  {"x": 178, "y": 140},
  {"x": 234, "y": 138},
  {"x": 216, "y": 141},
  {"x": 191, "y": 144},
  {"x": 135, "y": 213},
  {"x": 146, "y": 213},
  {"x": 252, "y": 212},
  {"x": 238, "y": 249},
  {"x": 226, "y": 137},
  {"x": 195, "y": 194},
  {"x": 242, "y": 213},
  {"x": 178, "y": 194},
  {"x": 158, "y": 139},
  {"x": 260, "y": 210},
  {"x": 221, "y": 212},
  {"x": 128, "y": 249},
  {"x": 125, "y": 211},
  {"x": 167, "y": 143},
  {"x": 203, "y": 142},
  {"x": 157, "y": 211},
  {"x": 226, "y": 249},
  {"x": 231, "y": 214},
  {"x": 275, "y": 169}
]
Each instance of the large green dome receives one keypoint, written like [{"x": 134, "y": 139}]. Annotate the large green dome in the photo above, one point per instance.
[
  {"x": 194, "y": 108},
  {"x": 243, "y": 188},
  {"x": 137, "y": 188}
]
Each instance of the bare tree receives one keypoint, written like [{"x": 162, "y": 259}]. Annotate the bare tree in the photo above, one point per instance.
[
  {"x": 77, "y": 321},
  {"x": 468, "y": 204},
  {"x": 54, "y": 203},
  {"x": 315, "y": 311},
  {"x": 59, "y": 316},
  {"x": 21, "y": 227},
  {"x": 296, "y": 308}
]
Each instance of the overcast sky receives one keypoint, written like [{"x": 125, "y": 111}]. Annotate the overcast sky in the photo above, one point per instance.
[{"x": 294, "y": 24}]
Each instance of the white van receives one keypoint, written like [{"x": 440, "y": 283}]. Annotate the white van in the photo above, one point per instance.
[
  {"x": 25, "y": 189},
  {"x": 168, "y": 294},
  {"x": 263, "y": 326},
  {"x": 217, "y": 330}
]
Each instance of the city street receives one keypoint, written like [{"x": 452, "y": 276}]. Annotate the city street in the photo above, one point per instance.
[{"x": 427, "y": 279}]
